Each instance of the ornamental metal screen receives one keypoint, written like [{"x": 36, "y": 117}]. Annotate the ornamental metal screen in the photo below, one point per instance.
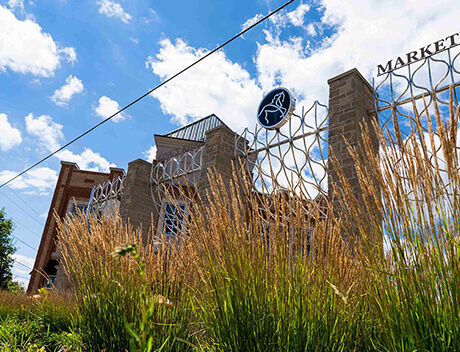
[
  {"x": 173, "y": 184},
  {"x": 106, "y": 197},
  {"x": 292, "y": 159},
  {"x": 418, "y": 89}
]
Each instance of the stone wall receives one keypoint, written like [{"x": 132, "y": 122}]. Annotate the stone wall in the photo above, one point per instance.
[
  {"x": 350, "y": 100},
  {"x": 137, "y": 206}
]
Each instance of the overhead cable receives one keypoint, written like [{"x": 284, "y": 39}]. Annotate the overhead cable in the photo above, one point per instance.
[
  {"x": 148, "y": 93},
  {"x": 12, "y": 201},
  {"x": 28, "y": 245}
]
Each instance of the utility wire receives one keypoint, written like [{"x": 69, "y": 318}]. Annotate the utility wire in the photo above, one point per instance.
[
  {"x": 22, "y": 277},
  {"x": 25, "y": 266},
  {"x": 12, "y": 201},
  {"x": 28, "y": 245},
  {"x": 17, "y": 195},
  {"x": 149, "y": 92},
  {"x": 17, "y": 222}
]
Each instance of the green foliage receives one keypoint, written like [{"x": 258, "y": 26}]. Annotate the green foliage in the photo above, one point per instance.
[
  {"x": 7, "y": 250},
  {"x": 44, "y": 323},
  {"x": 162, "y": 326}
]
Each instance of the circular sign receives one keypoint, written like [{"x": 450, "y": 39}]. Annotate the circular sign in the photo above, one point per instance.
[{"x": 276, "y": 108}]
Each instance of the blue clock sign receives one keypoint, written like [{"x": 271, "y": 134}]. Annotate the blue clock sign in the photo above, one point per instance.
[{"x": 276, "y": 108}]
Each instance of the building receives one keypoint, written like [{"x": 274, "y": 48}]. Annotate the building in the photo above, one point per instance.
[
  {"x": 128, "y": 194},
  {"x": 186, "y": 156},
  {"x": 72, "y": 192}
]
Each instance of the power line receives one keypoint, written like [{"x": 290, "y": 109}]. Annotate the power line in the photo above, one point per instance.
[
  {"x": 28, "y": 245},
  {"x": 25, "y": 266},
  {"x": 17, "y": 195},
  {"x": 17, "y": 222},
  {"x": 22, "y": 277},
  {"x": 149, "y": 92},
  {"x": 12, "y": 201}
]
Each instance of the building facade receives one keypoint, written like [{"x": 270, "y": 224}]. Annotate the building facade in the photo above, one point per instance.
[
  {"x": 185, "y": 157},
  {"x": 72, "y": 192}
]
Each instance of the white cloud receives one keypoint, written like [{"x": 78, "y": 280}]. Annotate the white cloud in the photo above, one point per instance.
[
  {"x": 16, "y": 4},
  {"x": 48, "y": 132},
  {"x": 107, "y": 107},
  {"x": 24, "y": 269},
  {"x": 68, "y": 54},
  {"x": 296, "y": 17},
  {"x": 24, "y": 48},
  {"x": 87, "y": 160},
  {"x": 11, "y": 136},
  {"x": 366, "y": 34},
  {"x": 311, "y": 29},
  {"x": 151, "y": 153},
  {"x": 42, "y": 178},
  {"x": 113, "y": 9},
  {"x": 24, "y": 260},
  {"x": 216, "y": 86},
  {"x": 251, "y": 21},
  {"x": 63, "y": 95}
]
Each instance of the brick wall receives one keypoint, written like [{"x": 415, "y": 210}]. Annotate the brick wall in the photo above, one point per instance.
[
  {"x": 350, "y": 99},
  {"x": 72, "y": 184}
]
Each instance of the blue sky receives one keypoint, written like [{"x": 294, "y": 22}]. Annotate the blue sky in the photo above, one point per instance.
[{"x": 65, "y": 65}]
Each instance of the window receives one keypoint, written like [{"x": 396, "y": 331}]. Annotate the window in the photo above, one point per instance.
[
  {"x": 49, "y": 282},
  {"x": 76, "y": 208},
  {"x": 173, "y": 218}
]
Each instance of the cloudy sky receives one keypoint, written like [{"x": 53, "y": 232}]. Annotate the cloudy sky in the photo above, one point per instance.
[{"x": 65, "y": 65}]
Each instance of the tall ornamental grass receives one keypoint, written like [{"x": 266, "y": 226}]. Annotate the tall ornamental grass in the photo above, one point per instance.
[
  {"x": 109, "y": 304},
  {"x": 379, "y": 272},
  {"x": 273, "y": 281},
  {"x": 411, "y": 201}
]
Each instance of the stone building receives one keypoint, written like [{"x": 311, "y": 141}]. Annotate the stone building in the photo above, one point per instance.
[
  {"x": 72, "y": 192},
  {"x": 132, "y": 198},
  {"x": 191, "y": 151}
]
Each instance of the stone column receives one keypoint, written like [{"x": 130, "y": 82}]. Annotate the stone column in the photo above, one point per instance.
[
  {"x": 350, "y": 100},
  {"x": 137, "y": 206},
  {"x": 218, "y": 153}
]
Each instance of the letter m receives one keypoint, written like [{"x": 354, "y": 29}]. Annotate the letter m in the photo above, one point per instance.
[{"x": 381, "y": 70}]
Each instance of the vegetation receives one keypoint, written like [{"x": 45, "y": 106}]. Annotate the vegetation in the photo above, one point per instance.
[
  {"x": 45, "y": 322},
  {"x": 382, "y": 274},
  {"x": 7, "y": 250}
]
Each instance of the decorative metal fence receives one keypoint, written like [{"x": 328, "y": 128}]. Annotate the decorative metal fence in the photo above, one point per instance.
[
  {"x": 174, "y": 184},
  {"x": 106, "y": 197},
  {"x": 417, "y": 92},
  {"x": 291, "y": 159},
  {"x": 425, "y": 85}
]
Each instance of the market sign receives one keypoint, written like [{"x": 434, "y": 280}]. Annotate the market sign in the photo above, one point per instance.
[
  {"x": 276, "y": 108},
  {"x": 417, "y": 55}
]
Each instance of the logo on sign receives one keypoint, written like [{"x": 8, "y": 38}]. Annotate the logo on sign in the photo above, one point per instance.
[{"x": 276, "y": 108}]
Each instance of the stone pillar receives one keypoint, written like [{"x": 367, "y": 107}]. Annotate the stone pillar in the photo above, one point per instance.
[
  {"x": 350, "y": 100},
  {"x": 218, "y": 153},
  {"x": 137, "y": 205}
]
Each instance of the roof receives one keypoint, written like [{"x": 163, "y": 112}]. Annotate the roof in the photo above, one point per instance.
[{"x": 196, "y": 131}]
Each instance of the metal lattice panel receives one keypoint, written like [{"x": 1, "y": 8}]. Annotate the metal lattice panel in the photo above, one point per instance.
[
  {"x": 174, "y": 185},
  {"x": 420, "y": 89},
  {"x": 423, "y": 85},
  {"x": 106, "y": 197},
  {"x": 291, "y": 159}
]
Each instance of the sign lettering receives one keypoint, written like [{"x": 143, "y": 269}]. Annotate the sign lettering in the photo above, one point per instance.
[{"x": 422, "y": 53}]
